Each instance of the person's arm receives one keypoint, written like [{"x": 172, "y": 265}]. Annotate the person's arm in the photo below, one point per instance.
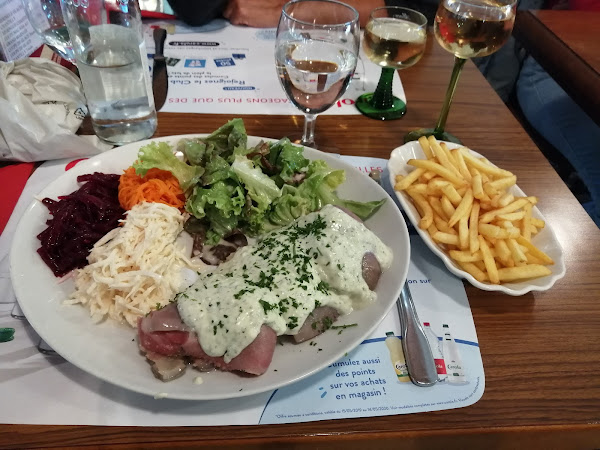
[{"x": 265, "y": 13}]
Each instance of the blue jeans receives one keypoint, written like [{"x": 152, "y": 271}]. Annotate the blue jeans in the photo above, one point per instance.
[{"x": 564, "y": 124}]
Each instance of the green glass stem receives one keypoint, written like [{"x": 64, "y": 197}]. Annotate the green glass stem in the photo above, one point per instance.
[
  {"x": 441, "y": 123},
  {"x": 383, "y": 97}
]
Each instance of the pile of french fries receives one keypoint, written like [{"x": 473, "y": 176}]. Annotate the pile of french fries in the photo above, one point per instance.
[{"x": 467, "y": 209}]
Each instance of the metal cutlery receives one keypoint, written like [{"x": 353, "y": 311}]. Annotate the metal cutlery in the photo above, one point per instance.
[{"x": 417, "y": 352}]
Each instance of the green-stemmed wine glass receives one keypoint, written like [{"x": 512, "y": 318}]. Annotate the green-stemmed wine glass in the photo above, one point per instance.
[
  {"x": 395, "y": 39},
  {"x": 468, "y": 29}
]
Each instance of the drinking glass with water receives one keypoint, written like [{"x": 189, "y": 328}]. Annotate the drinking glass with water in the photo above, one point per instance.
[
  {"x": 111, "y": 57},
  {"x": 46, "y": 18}
]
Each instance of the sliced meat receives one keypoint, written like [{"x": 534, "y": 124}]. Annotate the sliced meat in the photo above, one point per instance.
[
  {"x": 164, "y": 319},
  {"x": 254, "y": 359},
  {"x": 316, "y": 323},
  {"x": 162, "y": 336},
  {"x": 371, "y": 270}
]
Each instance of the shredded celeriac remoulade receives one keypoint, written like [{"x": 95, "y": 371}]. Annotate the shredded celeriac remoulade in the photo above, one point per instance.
[{"x": 135, "y": 267}]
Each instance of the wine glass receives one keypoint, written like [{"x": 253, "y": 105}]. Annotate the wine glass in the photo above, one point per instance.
[
  {"x": 468, "y": 29},
  {"x": 316, "y": 50},
  {"x": 46, "y": 18},
  {"x": 394, "y": 39}
]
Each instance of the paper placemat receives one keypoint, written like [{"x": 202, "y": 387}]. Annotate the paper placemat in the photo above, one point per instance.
[
  {"x": 45, "y": 389},
  {"x": 226, "y": 69}
]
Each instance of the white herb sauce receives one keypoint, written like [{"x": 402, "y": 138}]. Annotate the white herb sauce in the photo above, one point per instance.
[{"x": 281, "y": 279}]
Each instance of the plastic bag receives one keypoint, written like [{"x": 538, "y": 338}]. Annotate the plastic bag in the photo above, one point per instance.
[{"x": 42, "y": 105}]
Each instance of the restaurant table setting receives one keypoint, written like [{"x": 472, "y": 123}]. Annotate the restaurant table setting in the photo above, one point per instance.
[
  {"x": 455, "y": 222},
  {"x": 362, "y": 383}
]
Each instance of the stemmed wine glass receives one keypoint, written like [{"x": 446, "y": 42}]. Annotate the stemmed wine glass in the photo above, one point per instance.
[
  {"x": 394, "y": 39},
  {"x": 468, "y": 29},
  {"x": 316, "y": 50},
  {"x": 46, "y": 18}
]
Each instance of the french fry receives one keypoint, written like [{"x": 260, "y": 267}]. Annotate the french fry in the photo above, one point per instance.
[
  {"x": 409, "y": 179},
  {"x": 514, "y": 206},
  {"x": 483, "y": 167},
  {"x": 475, "y": 271},
  {"x": 515, "y": 249},
  {"x": 463, "y": 232},
  {"x": 462, "y": 166},
  {"x": 538, "y": 223},
  {"x": 488, "y": 260},
  {"x": 436, "y": 205},
  {"x": 477, "y": 186},
  {"x": 419, "y": 188},
  {"x": 502, "y": 251},
  {"x": 443, "y": 156},
  {"x": 474, "y": 228},
  {"x": 535, "y": 251},
  {"x": 438, "y": 169},
  {"x": 435, "y": 185},
  {"x": 445, "y": 238},
  {"x": 526, "y": 222},
  {"x": 511, "y": 216},
  {"x": 427, "y": 215},
  {"x": 442, "y": 225},
  {"x": 463, "y": 209},
  {"x": 523, "y": 272},
  {"x": 504, "y": 183},
  {"x": 506, "y": 199},
  {"x": 447, "y": 206},
  {"x": 450, "y": 192},
  {"x": 424, "y": 143},
  {"x": 495, "y": 232},
  {"x": 465, "y": 256}
]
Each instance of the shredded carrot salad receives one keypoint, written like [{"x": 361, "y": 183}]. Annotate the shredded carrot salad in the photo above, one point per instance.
[{"x": 158, "y": 186}]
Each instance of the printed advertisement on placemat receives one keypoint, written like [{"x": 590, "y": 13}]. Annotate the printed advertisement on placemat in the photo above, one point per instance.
[{"x": 225, "y": 69}]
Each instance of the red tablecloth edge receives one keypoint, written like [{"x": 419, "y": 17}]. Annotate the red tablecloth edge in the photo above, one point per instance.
[{"x": 12, "y": 181}]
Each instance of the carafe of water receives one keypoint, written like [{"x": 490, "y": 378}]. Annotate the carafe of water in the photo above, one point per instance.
[{"x": 111, "y": 57}]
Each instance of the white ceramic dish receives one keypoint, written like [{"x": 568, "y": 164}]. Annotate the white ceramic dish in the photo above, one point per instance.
[
  {"x": 545, "y": 240},
  {"x": 108, "y": 350}
]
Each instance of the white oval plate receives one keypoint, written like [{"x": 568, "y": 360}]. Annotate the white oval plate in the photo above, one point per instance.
[
  {"x": 108, "y": 350},
  {"x": 545, "y": 240}
]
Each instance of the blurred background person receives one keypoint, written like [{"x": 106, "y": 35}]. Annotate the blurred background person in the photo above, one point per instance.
[{"x": 265, "y": 13}]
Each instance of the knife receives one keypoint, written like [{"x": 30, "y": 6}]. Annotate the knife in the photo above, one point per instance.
[
  {"x": 417, "y": 352},
  {"x": 160, "y": 82}
]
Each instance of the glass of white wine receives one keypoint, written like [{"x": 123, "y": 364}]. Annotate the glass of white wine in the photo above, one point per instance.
[
  {"x": 468, "y": 29},
  {"x": 316, "y": 50},
  {"x": 394, "y": 39},
  {"x": 46, "y": 18}
]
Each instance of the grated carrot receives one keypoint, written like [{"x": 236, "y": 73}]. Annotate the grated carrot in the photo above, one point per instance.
[{"x": 158, "y": 186}]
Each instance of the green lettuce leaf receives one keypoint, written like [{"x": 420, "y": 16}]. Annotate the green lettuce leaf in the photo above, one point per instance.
[
  {"x": 159, "y": 155},
  {"x": 226, "y": 197},
  {"x": 262, "y": 190},
  {"x": 229, "y": 140}
]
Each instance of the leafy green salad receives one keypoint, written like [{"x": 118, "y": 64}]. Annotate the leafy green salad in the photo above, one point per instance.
[{"x": 231, "y": 187}]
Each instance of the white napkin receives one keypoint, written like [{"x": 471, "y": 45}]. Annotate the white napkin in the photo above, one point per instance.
[{"x": 42, "y": 105}]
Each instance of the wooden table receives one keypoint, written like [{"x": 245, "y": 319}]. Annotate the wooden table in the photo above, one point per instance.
[
  {"x": 567, "y": 46},
  {"x": 540, "y": 351}
]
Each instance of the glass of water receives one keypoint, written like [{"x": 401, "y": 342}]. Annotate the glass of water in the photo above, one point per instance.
[
  {"x": 46, "y": 18},
  {"x": 111, "y": 57},
  {"x": 316, "y": 49}
]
